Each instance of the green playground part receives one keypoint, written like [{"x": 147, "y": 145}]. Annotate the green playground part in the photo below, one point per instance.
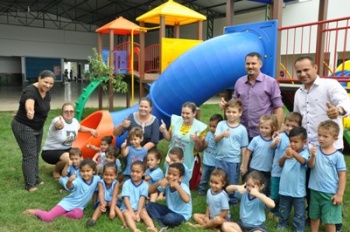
[
  {"x": 346, "y": 135},
  {"x": 84, "y": 96}
]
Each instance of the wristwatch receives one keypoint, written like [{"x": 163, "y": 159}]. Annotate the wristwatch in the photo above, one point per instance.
[{"x": 341, "y": 110}]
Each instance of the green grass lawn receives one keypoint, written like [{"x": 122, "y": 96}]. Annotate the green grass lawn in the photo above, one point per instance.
[{"x": 14, "y": 199}]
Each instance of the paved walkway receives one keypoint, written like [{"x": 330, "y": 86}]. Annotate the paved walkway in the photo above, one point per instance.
[{"x": 65, "y": 92}]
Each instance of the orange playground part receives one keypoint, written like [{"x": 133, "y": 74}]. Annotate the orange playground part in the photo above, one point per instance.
[{"x": 100, "y": 121}]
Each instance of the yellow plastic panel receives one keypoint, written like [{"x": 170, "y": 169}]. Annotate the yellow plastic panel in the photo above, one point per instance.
[{"x": 173, "y": 48}]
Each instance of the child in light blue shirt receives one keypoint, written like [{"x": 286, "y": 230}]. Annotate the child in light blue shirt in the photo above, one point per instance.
[
  {"x": 292, "y": 189},
  {"x": 209, "y": 154},
  {"x": 178, "y": 208},
  {"x": 280, "y": 142},
  {"x": 259, "y": 149},
  {"x": 253, "y": 203},
  {"x": 71, "y": 168},
  {"x": 135, "y": 151},
  {"x": 232, "y": 139},
  {"x": 327, "y": 179}
]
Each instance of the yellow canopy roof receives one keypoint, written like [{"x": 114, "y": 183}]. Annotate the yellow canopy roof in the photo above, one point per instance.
[
  {"x": 175, "y": 14},
  {"x": 119, "y": 26}
]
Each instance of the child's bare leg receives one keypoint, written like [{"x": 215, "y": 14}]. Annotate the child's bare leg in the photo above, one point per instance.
[
  {"x": 330, "y": 227},
  {"x": 314, "y": 225},
  {"x": 199, "y": 218},
  {"x": 147, "y": 219},
  {"x": 120, "y": 215},
  {"x": 153, "y": 197},
  {"x": 230, "y": 227},
  {"x": 30, "y": 211},
  {"x": 97, "y": 213},
  {"x": 213, "y": 223},
  {"x": 129, "y": 220}
]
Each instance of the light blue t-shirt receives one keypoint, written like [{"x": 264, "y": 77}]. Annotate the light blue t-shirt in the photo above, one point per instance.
[
  {"x": 210, "y": 152},
  {"x": 293, "y": 177},
  {"x": 279, "y": 152},
  {"x": 108, "y": 192},
  {"x": 251, "y": 210},
  {"x": 217, "y": 203},
  {"x": 155, "y": 175},
  {"x": 324, "y": 175},
  {"x": 262, "y": 154},
  {"x": 134, "y": 155},
  {"x": 229, "y": 149},
  {"x": 134, "y": 193},
  {"x": 175, "y": 203},
  {"x": 82, "y": 193}
]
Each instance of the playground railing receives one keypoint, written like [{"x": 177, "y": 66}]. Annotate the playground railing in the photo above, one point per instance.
[
  {"x": 152, "y": 55},
  {"x": 126, "y": 46},
  {"x": 326, "y": 41}
]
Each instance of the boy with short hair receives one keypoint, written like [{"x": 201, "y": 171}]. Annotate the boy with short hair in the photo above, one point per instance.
[
  {"x": 327, "y": 179},
  {"x": 279, "y": 144},
  {"x": 176, "y": 155},
  {"x": 232, "y": 139},
  {"x": 178, "y": 208},
  {"x": 71, "y": 167},
  {"x": 209, "y": 154},
  {"x": 292, "y": 189}
]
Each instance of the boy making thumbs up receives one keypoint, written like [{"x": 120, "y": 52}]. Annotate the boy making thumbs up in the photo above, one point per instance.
[{"x": 232, "y": 139}]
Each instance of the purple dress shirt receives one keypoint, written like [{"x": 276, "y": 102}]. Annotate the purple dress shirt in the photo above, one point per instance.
[{"x": 258, "y": 99}]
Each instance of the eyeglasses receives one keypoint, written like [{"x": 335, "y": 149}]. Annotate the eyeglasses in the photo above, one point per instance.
[{"x": 69, "y": 111}]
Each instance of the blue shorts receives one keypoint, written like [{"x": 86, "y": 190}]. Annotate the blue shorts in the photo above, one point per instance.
[{"x": 251, "y": 228}]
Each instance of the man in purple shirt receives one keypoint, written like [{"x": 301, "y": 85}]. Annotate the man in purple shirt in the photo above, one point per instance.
[{"x": 259, "y": 93}]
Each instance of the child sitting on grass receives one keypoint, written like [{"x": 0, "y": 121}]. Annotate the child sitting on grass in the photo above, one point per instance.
[
  {"x": 253, "y": 203},
  {"x": 218, "y": 208},
  {"x": 153, "y": 172},
  {"x": 134, "y": 194},
  {"x": 178, "y": 208},
  {"x": 82, "y": 188},
  {"x": 108, "y": 189}
]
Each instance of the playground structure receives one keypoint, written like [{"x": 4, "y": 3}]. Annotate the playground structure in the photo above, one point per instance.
[
  {"x": 186, "y": 78},
  {"x": 208, "y": 67}
]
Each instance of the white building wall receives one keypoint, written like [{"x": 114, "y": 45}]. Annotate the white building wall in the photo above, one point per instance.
[{"x": 40, "y": 42}]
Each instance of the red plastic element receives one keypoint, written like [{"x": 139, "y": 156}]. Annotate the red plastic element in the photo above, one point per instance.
[{"x": 100, "y": 121}]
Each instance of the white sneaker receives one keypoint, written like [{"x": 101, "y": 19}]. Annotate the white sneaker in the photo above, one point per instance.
[{"x": 163, "y": 229}]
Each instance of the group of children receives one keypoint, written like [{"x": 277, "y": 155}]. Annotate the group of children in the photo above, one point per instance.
[{"x": 274, "y": 167}]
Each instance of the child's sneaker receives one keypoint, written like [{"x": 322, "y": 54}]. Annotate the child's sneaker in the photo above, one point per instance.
[{"x": 90, "y": 223}]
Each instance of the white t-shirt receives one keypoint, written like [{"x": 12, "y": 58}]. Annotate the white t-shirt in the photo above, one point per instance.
[{"x": 61, "y": 139}]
